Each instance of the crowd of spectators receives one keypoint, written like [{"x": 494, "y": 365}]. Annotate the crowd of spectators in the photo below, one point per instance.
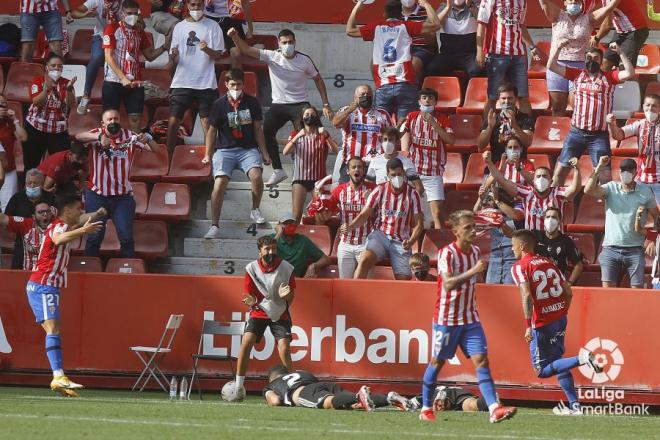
[{"x": 392, "y": 154}]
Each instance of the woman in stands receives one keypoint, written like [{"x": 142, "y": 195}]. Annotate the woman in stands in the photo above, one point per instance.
[
  {"x": 577, "y": 25},
  {"x": 310, "y": 148}
]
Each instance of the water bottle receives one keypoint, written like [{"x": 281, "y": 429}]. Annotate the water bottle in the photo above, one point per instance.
[
  {"x": 183, "y": 393},
  {"x": 173, "y": 388}
]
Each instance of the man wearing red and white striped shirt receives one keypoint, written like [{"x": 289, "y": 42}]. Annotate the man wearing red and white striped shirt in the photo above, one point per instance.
[
  {"x": 425, "y": 133},
  {"x": 631, "y": 27},
  {"x": 538, "y": 198},
  {"x": 647, "y": 131},
  {"x": 423, "y": 47},
  {"x": 399, "y": 223},
  {"x": 111, "y": 155},
  {"x": 594, "y": 95},
  {"x": 45, "y": 14},
  {"x": 361, "y": 124},
  {"x": 30, "y": 229},
  {"x": 349, "y": 199},
  {"x": 456, "y": 320},
  {"x": 501, "y": 39}
]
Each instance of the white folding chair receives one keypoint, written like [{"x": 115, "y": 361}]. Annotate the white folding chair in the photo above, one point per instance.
[
  {"x": 627, "y": 99},
  {"x": 151, "y": 356}
]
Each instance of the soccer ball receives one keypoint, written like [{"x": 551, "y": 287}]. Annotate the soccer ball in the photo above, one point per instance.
[{"x": 231, "y": 393}]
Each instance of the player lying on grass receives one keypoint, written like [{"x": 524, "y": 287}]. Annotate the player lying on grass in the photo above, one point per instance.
[
  {"x": 453, "y": 399},
  {"x": 301, "y": 388},
  {"x": 546, "y": 297}
]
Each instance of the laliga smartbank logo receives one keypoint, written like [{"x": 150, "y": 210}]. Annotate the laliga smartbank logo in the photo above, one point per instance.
[{"x": 608, "y": 356}]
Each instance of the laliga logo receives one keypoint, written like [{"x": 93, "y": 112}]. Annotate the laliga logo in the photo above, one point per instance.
[{"x": 608, "y": 356}]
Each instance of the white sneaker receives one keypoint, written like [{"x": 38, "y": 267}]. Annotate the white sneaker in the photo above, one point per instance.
[
  {"x": 399, "y": 402},
  {"x": 587, "y": 357},
  {"x": 562, "y": 410},
  {"x": 214, "y": 232},
  {"x": 256, "y": 217},
  {"x": 82, "y": 107},
  {"x": 275, "y": 178}
]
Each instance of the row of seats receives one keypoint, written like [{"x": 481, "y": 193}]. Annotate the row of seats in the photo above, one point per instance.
[{"x": 93, "y": 264}]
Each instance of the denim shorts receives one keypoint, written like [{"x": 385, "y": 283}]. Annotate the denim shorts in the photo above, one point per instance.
[
  {"x": 381, "y": 245},
  {"x": 225, "y": 161},
  {"x": 614, "y": 259},
  {"x": 51, "y": 21},
  {"x": 577, "y": 140},
  {"x": 401, "y": 99},
  {"x": 557, "y": 83},
  {"x": 655, "y": 187},
  {"x": 425, "y": 55},
  {"x": 502, "y": 68}
]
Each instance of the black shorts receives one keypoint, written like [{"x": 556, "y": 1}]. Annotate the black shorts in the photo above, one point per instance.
[
  {"x": 313, "y": 395},
  {"x": 181, "y": 99},
  {"x": 280, "y": 329},
  {"x": 132, "y": 97},
  {"x": 227, "y": 23},
  {"x": 307, "y": 184}
]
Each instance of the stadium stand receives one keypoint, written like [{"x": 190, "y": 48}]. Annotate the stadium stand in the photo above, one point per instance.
[
  {"x": 85, "y": 264},
  {"x": 19, "y": 78},
  {"x": 449, "y": 91},
  {"x": 466, "y": 130},
  {"x": 148, "y": 166},
  {"x": 125, "y": 265}
]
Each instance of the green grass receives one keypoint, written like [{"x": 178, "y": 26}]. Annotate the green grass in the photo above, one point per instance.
[{"x": 29, "y": 413}]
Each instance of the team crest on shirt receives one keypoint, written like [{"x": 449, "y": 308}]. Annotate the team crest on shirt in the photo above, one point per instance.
[
  {"x": 34, "y": 88},
  {"x": 106, "y": 39}
]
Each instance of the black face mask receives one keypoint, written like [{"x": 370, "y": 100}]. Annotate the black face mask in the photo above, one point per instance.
[
  {"x": 421, "y": 274},
  {"x": 312, "y": 121},
  {"x": 113, "y": 128},
  {"x": 269, "y": 259},
  {"x": 77, "y": 165},
  {"x": 365, "y": 101},
  {"x": 592, "y": 66}
]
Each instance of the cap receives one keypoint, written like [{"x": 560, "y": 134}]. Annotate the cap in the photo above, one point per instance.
[
  {"x": 628, "y": 164},
  {"x": 286, "y": 216}
]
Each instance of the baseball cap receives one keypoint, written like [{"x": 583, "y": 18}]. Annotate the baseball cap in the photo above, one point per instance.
[
  {"x": 287, "y": 216},
  {"x": 628, "y": 164}
]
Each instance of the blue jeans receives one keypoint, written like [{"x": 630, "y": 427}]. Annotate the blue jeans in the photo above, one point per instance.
[
  {"x": 444, "y": 64},
  {"x": 615, "y": 259},
  {"x": 398, "y": 98},
  {"x": 51, "y": 21},
  {"x": 500, "y": 261},
  {"x": 500, "y": 68},
  {"x": 121, "y": 209},
  {"x": 96, "y": 60},
  {"x": 597, "y": 143}
]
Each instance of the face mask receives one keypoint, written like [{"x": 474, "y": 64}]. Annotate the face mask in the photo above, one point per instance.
[
  {"x": 574, "y": 9},
  {"x": 550, "y": 224},
  {"x": 131, "y": 20},
  {"x": 365, "y": 101},
  {"x": 33, "y": 192},
  {"x": 197, "y": 15},
  {"x": 113, "y": 128},
  {"x": 397, "y": 182},
  {"x": 388, "y": 147},
  {"x": 650, "y": 115},
  {"x": 512, "y": 155},
  {"x": 235, "y": 94},
  {"x": 54, "y": 74},
  {"x": 460, "y": 3},
  {"x": 626, "y": 177},
  {"x": 408, "y": 3},
  {"x": 288, "y": 50},
  {"x": 541, "y": 184},
  {"x": 592, "y": 66},
  {"x": 506, "y": 106},
  {"x": 426, "y": 108},
  {"x": 312, "y": 120},
  {"x": 269, "y": 259},
  {"x": 421, "y": 274},
  {"x": 290, "y": 230}
]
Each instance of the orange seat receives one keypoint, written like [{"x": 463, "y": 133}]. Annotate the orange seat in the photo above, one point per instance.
[
  {"x": 148, "y": 166},
  {"x": 329, "y": 272},
  {"x": 538, "y": 94},
  {"x": 7, "y": 240},
  {"x": 160, "y": 78},
  {"x": 549, "y": 134},
  {"x": 474, "y": 173},
  {"x": 590, "y": 216},
  {"x": 381, "y": 273},
  {"x": 88, "y": 121},
  {"x": 537, "y": 68},
  {"x": 586, "y": 169},
  {"x": 476, "y": 97},
  {"x": 434, "y": 239},
  {"x": 449, "y": 91},
  {"x": 109, "y": 246},
  {"x": 456, "y": 200},
  {"x": 187, "y": 165},
  {"x": 162, "y": 113},
  {"x": 19, "y": 79},
  {"x": 319, "y": 234},
  {"x": 568, "y": 212},
  {"x": 169, "y": 202},
  {"x": 81, "y": 47},
  {"x": 648, "y": 61},
  {"x": 151, "y": 240},
  {"x": 540, "y": 160},
  {"x": 586, "y": 244},
  {"x": 466, "y": 130},
  {"x": 141, "y": 197},
  {"x": 627, "y": 147},
  {"x": 85, "y": 264},
  {"x": 250, "y": 84},
  {"x": 453, "y": 170},
  {"x": 125, "y": 265}
]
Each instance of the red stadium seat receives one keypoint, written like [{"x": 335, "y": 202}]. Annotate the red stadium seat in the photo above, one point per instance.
[
  {"x": 474, "y": 173},
  {"x": 81, "y": 47},
  {"x": 589, "y": 279},
  {"x": 475, "y": 97},
  {"x": 88, "y": 121},
  {"x": 162, "y": 113},
  {"x": 141, "y": 196},
  {"x": 148, "y": 166},
  {"x": 466, "y": 130},
  {"x": 151, "y": 239},
  {"x": 96, "y": 96},
  {"x": 586, "y": 243},
  {"x": 433, "y": 240},
  {"x": 7, "y": 240},
  {"x": 586, "y": 168},
  {"x": 17, "y": 107},
  {"x": 18, "y": 81},
  {"x": 250, "y": 84},
  {"x": 648, "y": 61},
  {"x": 263, "y": 41},
  {"x": 381, "y": 273},
  {"x": 590, "y": 216},
  {"x": 538, "y": 94},
  {"x": 160, "y": 78},
  {"x": 652, "y": 88},
  {"x": 329, "y": 272},
  {"x": 109, "y": 245},
  {"x": 319, "y": 234},
  {"x": 125, "y": 265},
  {"x": 537, "y": 68},
  {"x": 187, "y": 165},
  {"x": 85, "y": 264},
  {"x": 449, "y": 91},
  {"x": 568, "y": 212},
  {"x": 453, "y": 170},
  {"x": 627, "y": 147},
  {"x": 456, "y": 200},
  {"x": 549, "y": 134},
  {"x": 169, "y": 202},
  {"x": 540, "y": 160}
]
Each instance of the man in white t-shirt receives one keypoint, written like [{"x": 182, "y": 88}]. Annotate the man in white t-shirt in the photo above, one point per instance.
[
  {"x": 197, "y": 43},
  {"x": 289, "y": 71}
]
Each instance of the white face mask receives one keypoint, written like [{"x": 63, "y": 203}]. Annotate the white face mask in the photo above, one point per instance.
[
  {"x": 408, "y": 3},
  {"x": 512, "y": 154},
  {"x": 426, "y": 108},
  {"x": 197, "y": 15},
  {"x": 574, "y": 8},
  {"x": 550, "y": 224},
  {"x": 131, "y": 20},
  {"x": 235, "y": 94},
  {"x": 626, "y": 177},
  {"x": 397, "y": 182},
  {"x": 54, "y": 74},
  {"x": 288, "y": 50},
  {"x": 388, "y": 147},
  {"x": 541, "y": 184},
  {"x": 650, "y": 115}
]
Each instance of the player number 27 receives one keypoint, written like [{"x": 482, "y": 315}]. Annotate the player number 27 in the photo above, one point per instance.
[{"x": 543, "y": 291}]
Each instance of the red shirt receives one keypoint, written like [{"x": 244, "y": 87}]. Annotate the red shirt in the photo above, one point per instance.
[
  {"x": 427, "y": 150},
  {"x": 310, "y": 153},
  {"x": 8, "y": 139},
  {"x": 109, "y": 168},
  {"x": 513, "y": 172},
  {"x": 34, "y": 6},
  {"x": 361, "y": 132},
  {"x": 503, "y": 20},
  {"x": 396, "y": 212},
  {"x": 535, "y": 205},
  {"x": 51, "y": 117},
  {"x": 50, "y": 269},
  {"x": 457, "y": 306},
  {"x": 128, "y": 44},
  {"x": 350, "y": 202},
  {"x": 648, "y": 142},
  {"x": 32, "y": 236},
  {"x": 594, "y": 97},
  {"x": 251, "y": 288},
  {"x": 544, "y": 279},
  {"x": 58, "y": 167},
  {"x": 628, "y": 16}
]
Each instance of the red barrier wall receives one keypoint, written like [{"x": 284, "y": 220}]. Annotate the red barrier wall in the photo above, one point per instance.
[{"x": 347, "y": 329}]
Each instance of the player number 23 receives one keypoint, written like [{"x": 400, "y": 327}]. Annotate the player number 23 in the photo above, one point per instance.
[{"x": 543, "y": 291}]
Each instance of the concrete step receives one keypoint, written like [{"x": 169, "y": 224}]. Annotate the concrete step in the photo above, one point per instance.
[
  {"x": 242, "y": 191},
  {"x": 228, "y": 229},
  {"x": 220, "y": 248},
  {"x": 234, "y": 210},
  {"x": 200, "y": 266}
]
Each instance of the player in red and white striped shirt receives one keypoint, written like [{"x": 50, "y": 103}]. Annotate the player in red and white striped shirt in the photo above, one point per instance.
[
  {"x": 399, "y": 223},
  {"x": 112, "y": 149},
  {"x": 631, "y": 27},
  {"x": 594, "y": 94},
  {"x": 349, "y": 199},
  {"x": 36, "y": 14},
  {"x": 538, "y": 198},
  {"x": 49, "y": 275},
  {"x": 456, "y": 320},
  {"x": 31, "y": 230},
  {"x": 425, "y": 133},
  {"x": 309, "y": 147}
]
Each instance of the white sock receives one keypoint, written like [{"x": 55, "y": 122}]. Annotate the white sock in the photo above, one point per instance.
[
  {"x": 424, "y": 408},
  {"x": 493, "y": 406},
  {"x": 57, "y": 373},
  {"x": 240, "y": 380}
]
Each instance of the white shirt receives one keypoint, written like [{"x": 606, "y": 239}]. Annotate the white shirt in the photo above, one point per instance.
[
  {"x": 378, "y": 168},
  {"x": 288, "y": 77},
  {"x": 100, "y": 14},
  {"x": 196, "y": 70}
]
